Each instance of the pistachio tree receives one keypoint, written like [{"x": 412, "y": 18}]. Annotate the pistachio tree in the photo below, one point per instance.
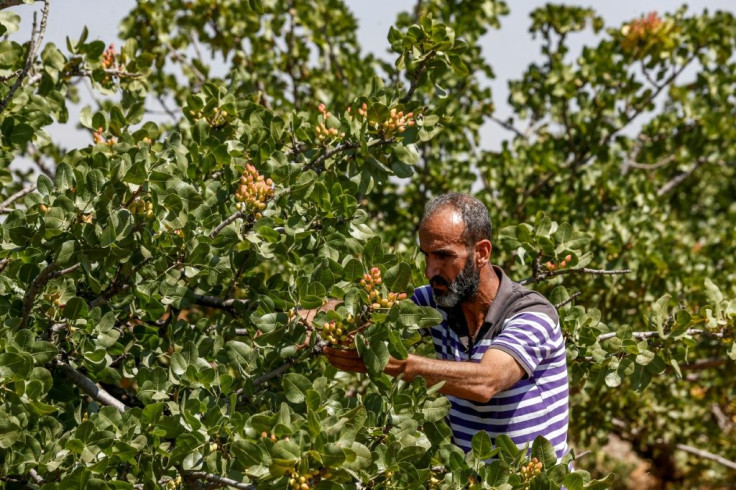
[{"x": 162, "y": 288}]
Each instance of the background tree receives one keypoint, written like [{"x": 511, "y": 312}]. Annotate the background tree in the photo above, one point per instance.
[{"x": 151, "y": 282}]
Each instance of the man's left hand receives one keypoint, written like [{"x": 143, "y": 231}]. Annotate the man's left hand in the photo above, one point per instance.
[{"x": 347, "y": 360}]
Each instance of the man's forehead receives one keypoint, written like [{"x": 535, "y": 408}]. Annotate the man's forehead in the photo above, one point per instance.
[{"x": 446, "y": 225}]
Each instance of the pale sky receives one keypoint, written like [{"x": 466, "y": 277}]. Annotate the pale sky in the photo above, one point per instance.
[{"x": 509, "y": 50}]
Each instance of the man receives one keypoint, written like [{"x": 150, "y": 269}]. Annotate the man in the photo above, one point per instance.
[{"x": 499, "y": 350}]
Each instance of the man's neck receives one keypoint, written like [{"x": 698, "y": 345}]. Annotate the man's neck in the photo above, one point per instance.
[{"x": 476, "y": 309}]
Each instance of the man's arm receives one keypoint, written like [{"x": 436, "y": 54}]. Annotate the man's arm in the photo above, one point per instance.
[{"x": 476, "y": 381}]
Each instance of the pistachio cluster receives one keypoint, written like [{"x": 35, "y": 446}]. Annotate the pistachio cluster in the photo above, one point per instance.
[
  {"x": 531, "y": 469},
  {"x": 171, "y": 484},
  {"x": 322, "y": 131},
  {"x": 563, "y": 263},
  {"x": 301, "y": 481},
  {"x": 370, "y": 283},
  {"x": 254, "y": 192},
  {"x": 145, "y": 208},
  {"x": 98, "y": 138},
  {"x": 217, "y": 119},
  {"x": 397, "y": 121},
  {"x": 337, "y": 332},
  {"x": 108, "y": 57}
]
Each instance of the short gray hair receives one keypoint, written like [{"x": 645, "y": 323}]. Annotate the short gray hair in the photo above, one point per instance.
[{"x": 473, "y": 212}]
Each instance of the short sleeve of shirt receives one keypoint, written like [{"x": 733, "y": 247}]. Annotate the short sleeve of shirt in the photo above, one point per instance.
[{"x": 530, "y": 338}]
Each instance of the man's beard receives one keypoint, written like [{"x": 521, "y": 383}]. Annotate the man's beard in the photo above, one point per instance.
[{"x": 464, "y": 287}]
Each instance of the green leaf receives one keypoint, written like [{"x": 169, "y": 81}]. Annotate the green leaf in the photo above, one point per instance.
[
  {"x": 9, "y": 22},
  {"x": 507, "y": 446},
  {"x": 295, "y": 387},
  {"x": 397, "y": 277},
  {"x": 482, "y": 445},
  {"x": 376, "y": 358},
  {"x": 544, "y": 451},
  {"x": 66, "y": 252},
  {"x": 436, "y": 410}
]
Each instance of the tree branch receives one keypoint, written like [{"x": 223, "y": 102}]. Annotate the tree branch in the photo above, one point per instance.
[
  {"x": 705, "y": 454},
  {"x": 316, "y": 164},
  {"x": 568, "y": 300},
  {"x": 218, "y": 480},
  {"x": 507, "y": 125},
  {"x": 90, "y": 388},
  {"x": 230, "y": 219},
  {"x": 417, "y": 75},
  {"x": 3, "y": 264},
  {"x": 117, "y": 286},
  {"x": 23, "y": 192},
  {"x": 219, "y": 303},
  {"x": 583, "y": 270},
  {"x": 33, "y": 46},
  {"x": 678, "y": 179},
  {"x": 647, "y": 335},
  {"x": 38, "y": 283},
  {"x": 177, "y": 56}
]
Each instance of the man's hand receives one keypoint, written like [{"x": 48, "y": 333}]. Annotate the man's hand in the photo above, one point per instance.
[{"x": 347, "y": 360}]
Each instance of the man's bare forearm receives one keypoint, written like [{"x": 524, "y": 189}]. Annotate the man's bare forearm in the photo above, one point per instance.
[{"x": 477, "y": 381}]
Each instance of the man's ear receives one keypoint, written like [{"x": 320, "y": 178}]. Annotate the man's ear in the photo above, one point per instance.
[{"x": 482, "y": 251}]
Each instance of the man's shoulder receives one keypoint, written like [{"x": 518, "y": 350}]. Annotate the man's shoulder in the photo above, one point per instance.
[{"x": 519, "y": 299}]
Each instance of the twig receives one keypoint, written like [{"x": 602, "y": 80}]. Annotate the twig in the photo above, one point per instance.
[
  {"x": 3, "y": 264},
  {"x": 219, "y": 480},
  {"x": 583, "y": 270},
  {"x": 568, "y": 300},
  {"x": 177, "y": 56},
  {"x": 650, "y": 166},
  {"x": 723, "y": 421},
  {"x": 15, "y": 197},
  {"x": 679, "y": 178},
  {"x": 219, "y": 303},
  {"x": 116, "y": 287},
  {"x": 417, "y": 75},
  {"x": 33, "y": 46},
  {"x": 230, "y": 219},
  {"x": 507, "y": 125},
  {"x": 62, "y": 272},
  {"x": 706, "y": 454},
  {"x": 647, "y": 335},
  {"x": 89, "y": 387},
  {"x": 317, "y": 162},
  {"x": 35, "y": 476},
  {"x": 703, "y": 364},
  {"x": 168, "y": 111},
  {"x": 33, "y": 290}
]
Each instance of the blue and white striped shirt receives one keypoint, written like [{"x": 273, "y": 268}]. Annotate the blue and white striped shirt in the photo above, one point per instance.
[{"x": 525, "y": 325}]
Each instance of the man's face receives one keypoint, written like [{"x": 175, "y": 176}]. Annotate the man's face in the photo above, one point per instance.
[{"x": 450, "y": 263}]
